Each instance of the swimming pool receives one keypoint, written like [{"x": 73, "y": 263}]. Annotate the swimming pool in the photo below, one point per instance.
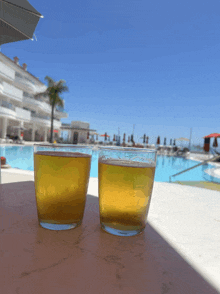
[{"x": 22, "y": 157}]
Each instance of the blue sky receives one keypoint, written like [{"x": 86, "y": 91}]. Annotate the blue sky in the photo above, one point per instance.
[{"x": 155, "y": 64}]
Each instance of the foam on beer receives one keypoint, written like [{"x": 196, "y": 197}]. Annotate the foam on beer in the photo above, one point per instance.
[
  {"x": 62, "y": 154},
  {"x": 127, "y": 163}
]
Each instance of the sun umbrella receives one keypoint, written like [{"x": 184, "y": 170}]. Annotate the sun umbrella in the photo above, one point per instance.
[
  {"x": 147, "y": 140},
  {"x": 114, "y": 138},
  {"x": 182, "y": 139},
  {"x": 129, "y": 139},
  {"x": 174, "y": 142},
  {"x": 105, "y": 135},
  {"x": 87, "y": 135},
  {"x": 18, "y": 20},
  {"x": 158, "y": 140},
  {"x": 170, "y": 141},
  {"x": 215, "y": 143},
  {"x": 144, "y": 138},
  {"x": 206, "y": 146},
  {"x": 124, "y": 137},
  {"x": 165, "y": 142},
  {"x": 55, "y": 131},
  {"x": 213, "y": 135}
]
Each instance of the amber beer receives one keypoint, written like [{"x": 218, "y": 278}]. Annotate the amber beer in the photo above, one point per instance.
[
  {"x": 125, "y": 189},
  {"x": 61, "y": 182}
]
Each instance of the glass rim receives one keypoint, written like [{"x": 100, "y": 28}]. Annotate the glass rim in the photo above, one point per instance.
[
  {"x": 127, "y": 149},
  {"x": 62, "y": 145}
]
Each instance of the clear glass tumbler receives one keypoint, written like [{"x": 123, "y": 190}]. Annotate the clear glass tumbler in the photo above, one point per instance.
[
  {"x": 126, "y": 177},
  {"x": 61, "y": 175}
]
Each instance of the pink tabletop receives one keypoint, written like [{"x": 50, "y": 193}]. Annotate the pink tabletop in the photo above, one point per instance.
[{"x": 85, "y": 259}]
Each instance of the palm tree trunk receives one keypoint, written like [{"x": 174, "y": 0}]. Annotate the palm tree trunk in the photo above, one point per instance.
[{"x": 51, "y": 128}]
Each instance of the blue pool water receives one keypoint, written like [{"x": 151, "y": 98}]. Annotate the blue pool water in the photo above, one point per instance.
[{"x": 22, "y": 157}]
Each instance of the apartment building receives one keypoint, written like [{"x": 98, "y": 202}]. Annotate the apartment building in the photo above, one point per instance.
[{"x": 20, "y": 113}]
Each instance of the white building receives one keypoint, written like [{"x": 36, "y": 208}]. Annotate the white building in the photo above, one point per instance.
[
  {"x": 20, "y": 113},
  {"x": 78, "y": 132}
]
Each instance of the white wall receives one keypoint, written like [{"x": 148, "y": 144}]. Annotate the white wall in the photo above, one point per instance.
[
  {"x": 80, "y": 124},
  {"x": 23, "y": 114}
]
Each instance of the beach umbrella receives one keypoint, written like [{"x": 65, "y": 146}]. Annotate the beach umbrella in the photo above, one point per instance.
[
  {"x": 87, "y": 135},
  {"x": 182, "y": 139},
  {"x": 124, "y": 138},
  {"x": 144, "y": 138},
  {"x": 215, "y": 143},
  {"x": 97, "y": 137},
  {"x": 132, "y": 138},
  {"x": 18, "y": 20},
  {"x": 206, "y": 146},
  {"x": 174, "y": 142},
  {"x": 158, "y": 140},
  {"x": 213, "y": 135},
  {"x": 170, "y": 141},
  {"x": 114, "y": 138},
  {"x": 165, "y": 142},
  {"x": 129, "y": 139},
  {"x": 147, "y": 139},
  {"x": 55, "y": 131},
  {"x": 105, "y": 135}
]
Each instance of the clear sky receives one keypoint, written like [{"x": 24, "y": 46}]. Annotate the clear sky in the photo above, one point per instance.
[{"x": 155, "y": 64}]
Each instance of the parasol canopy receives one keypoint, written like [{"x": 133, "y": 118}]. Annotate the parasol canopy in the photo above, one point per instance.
[
  {"x": 18, "y": 20},
  {"x": 182, "y": 139},
  {"x": 105, "y": 135},
  {"x": 213, "y": 135}
]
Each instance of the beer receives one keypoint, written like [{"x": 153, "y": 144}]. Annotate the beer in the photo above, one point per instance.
[
  {"x": 61, "y": 182},
  {"x": 125, "y": 189}
]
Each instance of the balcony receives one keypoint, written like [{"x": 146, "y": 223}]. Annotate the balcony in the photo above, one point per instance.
[
  {"x": 43, "y": 106},
  {"x": 7, "y": 109},
  {"x": 24, "y": 83},
  {"x": 23, "y": 114},
  {"x": 10, "y": 111},
  {"x": 45, "y": 120},
  {"x": 6, "y": 72},
  {"x": 30, "y": 101},
  {"x": 11, "y": 92},
  {"x": 61, "y": 114}
]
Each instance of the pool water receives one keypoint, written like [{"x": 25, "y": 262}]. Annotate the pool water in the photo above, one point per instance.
[{"x": 22, "y": 157}]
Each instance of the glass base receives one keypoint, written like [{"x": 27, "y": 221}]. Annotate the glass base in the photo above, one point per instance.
[
  {"x": 121, "y": 232},
  {"x": 58, "y": 227}
]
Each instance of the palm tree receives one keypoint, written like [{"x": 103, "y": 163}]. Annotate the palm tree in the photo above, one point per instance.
[{"x": 53, "y": 91}]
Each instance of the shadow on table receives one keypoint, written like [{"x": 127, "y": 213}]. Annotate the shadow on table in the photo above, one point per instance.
[{"x": 86, "y": 258}]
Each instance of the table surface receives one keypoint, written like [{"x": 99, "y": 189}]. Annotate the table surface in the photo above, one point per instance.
[{"x": 89, "y": 260}]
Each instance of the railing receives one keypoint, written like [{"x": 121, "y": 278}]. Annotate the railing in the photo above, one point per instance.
[
  {"x": 7, "y": 105},
  {"x": 21, "y": 77},
  {"x": 33, "y": 114},
  {"x": 192, "y": 167}
]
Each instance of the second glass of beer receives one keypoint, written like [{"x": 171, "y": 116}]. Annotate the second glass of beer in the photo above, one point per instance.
[
  {"x": 61, "y": 180},
  {"x": 126, "y": 177}
]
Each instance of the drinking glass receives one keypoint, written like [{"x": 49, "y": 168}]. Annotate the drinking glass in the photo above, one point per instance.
[
  {"x": 125, "y": 177},
  {"x": 61, "y": 175}
]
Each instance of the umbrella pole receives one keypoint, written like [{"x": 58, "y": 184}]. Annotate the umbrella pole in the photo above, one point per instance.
[{"x": 190, "y": 139}]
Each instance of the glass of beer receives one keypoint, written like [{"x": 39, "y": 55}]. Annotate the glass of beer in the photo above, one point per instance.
[
  {"x": 61, "y": 175},
  {"x": 126, "y": 178}
]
